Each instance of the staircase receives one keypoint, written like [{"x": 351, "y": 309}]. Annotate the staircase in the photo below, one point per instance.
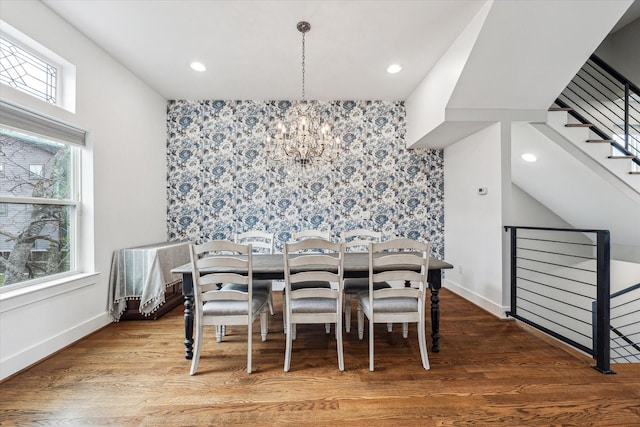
[
  {"x": 597, "y": 118},
  {"x": 622, "y": 165},
  {"x": 607, "y": 104}
]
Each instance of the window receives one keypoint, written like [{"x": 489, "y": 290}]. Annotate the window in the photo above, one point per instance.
[
  {"x": 27, "y": 72},
  {"x": 36, "y": 171},
  {"x": 40, "y": 196},
  {"x": 30, "y": 67}
]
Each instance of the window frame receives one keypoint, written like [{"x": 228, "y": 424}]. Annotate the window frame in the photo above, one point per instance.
[{"x": 16, "y": 119}]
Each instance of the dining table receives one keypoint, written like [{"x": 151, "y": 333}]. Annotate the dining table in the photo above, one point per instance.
[{"x": 271, "y": 267}]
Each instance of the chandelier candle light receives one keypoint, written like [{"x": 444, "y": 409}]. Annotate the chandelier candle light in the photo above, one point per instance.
[{"x": 305, "y": 138}]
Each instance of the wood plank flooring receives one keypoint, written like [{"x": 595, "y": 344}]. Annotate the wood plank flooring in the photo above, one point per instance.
[{"x": 488, "y": 372}]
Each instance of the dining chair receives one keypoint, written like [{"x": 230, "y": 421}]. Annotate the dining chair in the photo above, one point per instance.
[
  {"x": 307, "y": 264},
  {"x": 261, "y": 242},
  {"x": 403, "y": 263},
  {"x": 311, "y": 234},
  {"x": 219, "y": 305},
  {"x": 357, "y": 241},
  {"x": 296, "y": 237}
]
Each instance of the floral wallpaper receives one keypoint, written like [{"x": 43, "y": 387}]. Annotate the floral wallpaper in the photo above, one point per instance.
[{"x": 220, "y": 182}]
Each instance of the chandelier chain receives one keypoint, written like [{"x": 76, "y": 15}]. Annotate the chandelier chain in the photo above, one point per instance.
[{"x": 303, "y": 58}]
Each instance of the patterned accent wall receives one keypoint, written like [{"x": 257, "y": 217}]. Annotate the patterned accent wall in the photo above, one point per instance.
[{"x": 220, "y": 183}]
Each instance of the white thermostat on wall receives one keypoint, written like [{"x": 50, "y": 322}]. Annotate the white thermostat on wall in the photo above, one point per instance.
[{"x": 482, "y": 191}]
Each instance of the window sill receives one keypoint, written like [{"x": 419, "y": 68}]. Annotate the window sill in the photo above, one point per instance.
[{"x": 16, "y": 298}]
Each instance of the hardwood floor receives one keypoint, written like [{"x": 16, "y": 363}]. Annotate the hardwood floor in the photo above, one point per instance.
[{"x": 488, "y": 372}]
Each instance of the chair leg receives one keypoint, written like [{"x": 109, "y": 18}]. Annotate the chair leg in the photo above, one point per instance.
[
  {"x": 264, "y": 324},
  {"x": 371, "y": 345},
  {"x": 196, "y": 350},
  {"x": 287, "y": 352},
  {"x": 271, "y": 311},
  {"x": 339, "y": 343},
  {"x": 327, "y": 327},
  {"x": 422, "y": 341},
  {"x": 360, "y": 323},
  {"x": 219, "y": 332},
  {"x": 389, "y": 327},
  {"x": 284, "y": 313},
  {"x": 347, "y": 312},
  {"x": 249, "y": 342},
  {"x": 405, "y": 330}
]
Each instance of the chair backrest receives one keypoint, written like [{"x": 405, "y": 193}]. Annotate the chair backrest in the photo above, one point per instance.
[
  {"x": 398, "y": 261},
  {"x": 219, "y": 262},
  {"x": 313, "y": 260},
  {"x": 311, "y": 234},
  {"x": 358, "y": 240},
  {"x": 261, "y": 241}
]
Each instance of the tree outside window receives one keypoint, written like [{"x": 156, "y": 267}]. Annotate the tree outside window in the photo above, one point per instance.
[{"x": 37, "y": 231}]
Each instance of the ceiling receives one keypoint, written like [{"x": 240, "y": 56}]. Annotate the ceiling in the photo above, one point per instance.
[{"x": 252, "y": 49}]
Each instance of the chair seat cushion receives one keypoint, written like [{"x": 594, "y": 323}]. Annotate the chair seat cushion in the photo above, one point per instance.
[
  {"x": 232, "y": 307},
  {"x": 262, "y": 286},
  {"x": 313, "y": 305},
  {"x": 388, "y": 305},
  {"x": 354, "y": 286}
]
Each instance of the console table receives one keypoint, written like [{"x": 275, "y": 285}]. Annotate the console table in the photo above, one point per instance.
[{"x": 141, "y": 277}]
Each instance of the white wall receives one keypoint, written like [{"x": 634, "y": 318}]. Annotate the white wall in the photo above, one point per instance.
[
  {"x": 125, "y": 174},
  {"x": 620, "y": 50},
  {"x": 528, "y": 212},
  {"x": 473, "y": 222}
]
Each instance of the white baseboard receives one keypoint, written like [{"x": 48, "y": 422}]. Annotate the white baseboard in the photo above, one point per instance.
[
  {"x": 22, "y": 360},
  {"x": 487, "y": 305}
]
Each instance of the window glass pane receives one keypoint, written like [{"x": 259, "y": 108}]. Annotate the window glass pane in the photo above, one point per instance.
[
  {"x": 34, "y": 167},
  {"x": 34, "y": 241},
  {"x": 26, "y": 72}
]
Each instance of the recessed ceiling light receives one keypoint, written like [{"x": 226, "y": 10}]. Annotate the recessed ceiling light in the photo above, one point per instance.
[
  {"x": 394, "y": 68},
  {"x": 528, "y": 157},
  {"x": 198, "y": 66}
]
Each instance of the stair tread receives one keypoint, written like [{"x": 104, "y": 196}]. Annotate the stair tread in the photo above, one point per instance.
[
  {"x": 560, "y": 109},
  {"x": 578, "y": 125}
]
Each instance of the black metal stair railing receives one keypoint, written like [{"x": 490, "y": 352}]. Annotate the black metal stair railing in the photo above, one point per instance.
[
  {"x": 604, "y": 98},
  {"x": 556, "y": 275},
  {"x": 625, "y": 325}
]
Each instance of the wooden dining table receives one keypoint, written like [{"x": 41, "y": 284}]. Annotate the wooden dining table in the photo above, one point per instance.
[{"x": 271, "y": 267}]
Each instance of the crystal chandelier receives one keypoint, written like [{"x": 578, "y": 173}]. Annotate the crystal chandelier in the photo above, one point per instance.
[{"x": 303, "y": 136}]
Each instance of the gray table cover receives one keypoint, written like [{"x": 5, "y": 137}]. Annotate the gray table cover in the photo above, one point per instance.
[{"x": 144, "y": 273}]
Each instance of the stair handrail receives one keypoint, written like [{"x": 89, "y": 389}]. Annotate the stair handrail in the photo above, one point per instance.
[
  {"x": 614, "y": 73},
  {"x": 629, "y": 88}
]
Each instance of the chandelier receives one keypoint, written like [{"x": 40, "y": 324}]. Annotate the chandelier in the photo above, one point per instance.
[{"x": 303, "y": 136}]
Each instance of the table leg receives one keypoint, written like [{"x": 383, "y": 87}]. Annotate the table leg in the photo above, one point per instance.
[
  {"x": 187, "y": 291},
  {"x": 435, "y": 320},
  {"x": 435, "y": 283}
]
